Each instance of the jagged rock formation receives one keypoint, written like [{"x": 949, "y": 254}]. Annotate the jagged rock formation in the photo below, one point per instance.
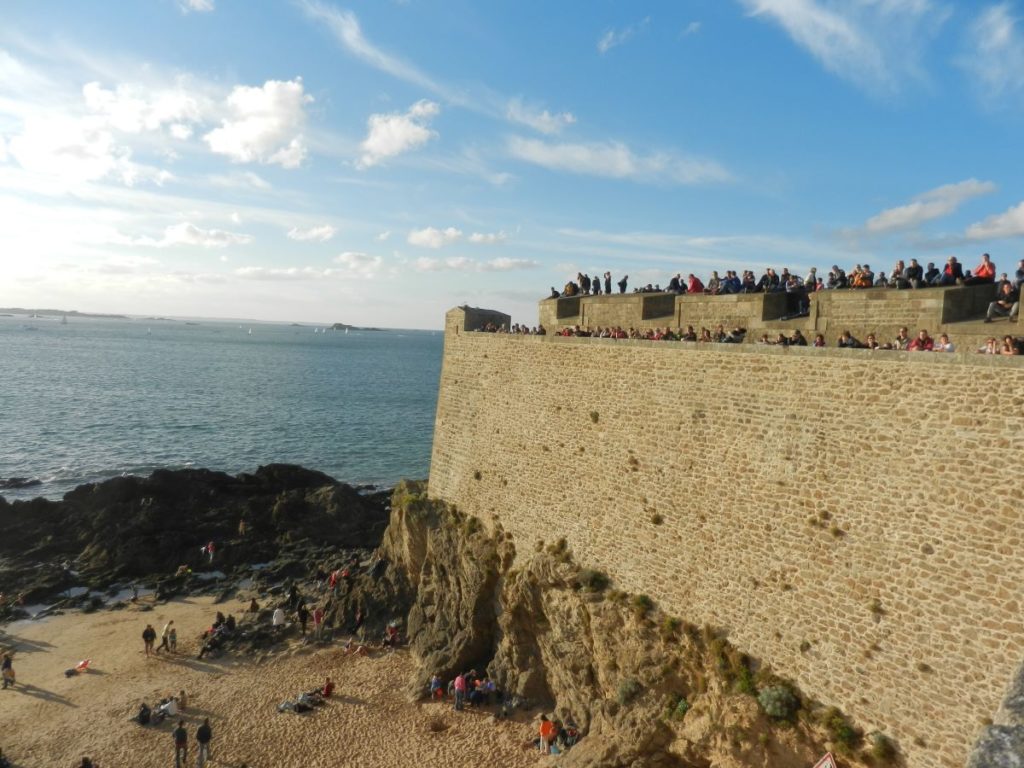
[
  {"x": 648, "y": 689},
  {"x": 135, "y": 527}
]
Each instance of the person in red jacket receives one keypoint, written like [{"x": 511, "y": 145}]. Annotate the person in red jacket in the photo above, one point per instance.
[
  {"x": 694, "y": 285},
  {"x": 984, "y": 272},
  {"x": 923, "y": 342}
]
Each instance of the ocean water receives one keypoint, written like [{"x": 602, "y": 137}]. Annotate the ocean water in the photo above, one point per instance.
[{"x": 97, "y": 398}]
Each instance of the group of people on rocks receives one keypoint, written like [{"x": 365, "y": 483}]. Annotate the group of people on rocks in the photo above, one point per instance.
[{"x": 902, "y": 276}]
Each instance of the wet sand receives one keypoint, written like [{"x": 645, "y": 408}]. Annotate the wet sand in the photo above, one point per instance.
[{"x": 51, "y": 720}]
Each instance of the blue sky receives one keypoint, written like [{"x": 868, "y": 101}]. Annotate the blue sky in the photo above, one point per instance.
[{"x": 380, "y": 162}]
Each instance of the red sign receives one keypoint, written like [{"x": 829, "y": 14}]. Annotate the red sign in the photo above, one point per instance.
[{"x": 826, "y": 762}]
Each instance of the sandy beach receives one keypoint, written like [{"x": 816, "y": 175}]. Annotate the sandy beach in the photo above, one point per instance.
[{"x": 53, "y": 720}]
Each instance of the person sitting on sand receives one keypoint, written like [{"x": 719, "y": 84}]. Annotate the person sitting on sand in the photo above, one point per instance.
[
  {"x": 390, "y": 639},
  {"x": 182, "y": 700},
  {"x": 436, "y": 688},
  {"x": 254, "y": 607},
  {"x": 325, "y": 691},
  {"x": 87, "y": 763},
  {"x": 144, "y": 715},
  {"x": 352, "y": 647}
]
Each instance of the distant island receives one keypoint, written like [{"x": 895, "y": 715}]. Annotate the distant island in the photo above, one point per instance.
[
  {"x": 57, "y": 313},
  {"x": 346, "y": 327}
]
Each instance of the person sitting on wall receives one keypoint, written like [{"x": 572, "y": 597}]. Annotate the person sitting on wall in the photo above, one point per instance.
[
  {"x": 732, "y": 283},
  {"x": 909, "y": 277},
  {"x": 819, "y": 340},
  {"x": 769, "y": 281},
  {"x": 748, "y": 284},
  {"x": 797, "y": 339},
  {"x": 623, "y": 283},
  {"x": 871, "y": 342},
  {"x": 881, "y": 281},
  {"x": 952, "y": 273},
  {"x": 1009, "y": 346},
  {"x": 675, "y": 285},
  {"x": 931, "y": 274},
  {"x": 1007, "y": 304},
  {"x": 943, "y": 344},
  {"x": 554, "y": 293},
  {"x": 847, "y": 341},
  {"x": 688, "y": 335},
  {"x": 837, "y": 278},
  {"x": 923, "y": 342},
  {"x": 902, "y": 340},
  {"x": 714, "y": 286},
  {"x": 984, "y": 272}
]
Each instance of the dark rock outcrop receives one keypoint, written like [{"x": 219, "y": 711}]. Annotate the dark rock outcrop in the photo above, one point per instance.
[{"x": 138, "y": 527}]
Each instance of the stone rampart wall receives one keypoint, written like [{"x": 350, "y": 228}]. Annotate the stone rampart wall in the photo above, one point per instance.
[
  {"x": 877, "y": 310},
  {"x": 853, "y": 518}
]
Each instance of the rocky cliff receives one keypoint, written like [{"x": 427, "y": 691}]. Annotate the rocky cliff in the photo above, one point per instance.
[{"x": 648, "y": 689}]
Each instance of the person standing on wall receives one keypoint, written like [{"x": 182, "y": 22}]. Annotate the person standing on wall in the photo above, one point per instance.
[{"x": 623, "y": 283}]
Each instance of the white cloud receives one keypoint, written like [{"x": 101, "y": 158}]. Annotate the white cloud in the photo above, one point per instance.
[
  {"x": 431, "y": 237},
  {"x": 690, "y": 29},
  {"x": 3, "y": 150},
  {"x": 539, "y": 120},
  {"x": 74, "y": 150},
  {"x": 240, "y": 180},
  {"x": 995, "y": 50},
  {"x": 616, "y": 160},
  {"x": 200, "y": 6},
  {"x": 1010, "y": 223},
  {"x": 136, "y": 108},
  {"x": 321, "y": 233},
  {"x": 392, "y": 134},
  {"x": 616, "y": 37},
  {"x": 265, "y": 124},
  {"x": 933, "y": 204},
  {"x": 187, "y": 233},
  {"x": 384, "y": 236},
  {"x": 875, "y": 44},
  {"x": 345, "y": 27},
  {"x": 488, "y": 238},
  {"x": 359, "y": 264},
  {"x": 279, "y": 273},
  {"x": 463, "y": 264}
]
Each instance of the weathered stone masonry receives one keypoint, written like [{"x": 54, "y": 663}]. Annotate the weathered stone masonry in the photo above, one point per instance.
[{"x": 866, "y": 503}]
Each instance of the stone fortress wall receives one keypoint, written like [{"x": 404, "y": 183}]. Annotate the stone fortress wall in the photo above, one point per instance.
[
  {"x": 851, "y": 517},
  {"x": 875, "y": 310}
]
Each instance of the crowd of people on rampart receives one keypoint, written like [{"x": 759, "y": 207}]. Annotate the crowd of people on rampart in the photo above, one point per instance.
[
  {"x": 901, "y": 342},
  {"x": 902, "y": 276}
]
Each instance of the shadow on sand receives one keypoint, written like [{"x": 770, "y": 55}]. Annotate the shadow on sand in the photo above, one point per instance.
[{"x": 41, "y": 693}]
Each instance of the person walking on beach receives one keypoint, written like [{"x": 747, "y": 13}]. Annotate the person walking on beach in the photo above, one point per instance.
[
  {"x": 148, "y": 638},
  {"x": 203, "y": 735},
  {"x": 7, "y": 669},
  {"x": 180, "y": 745},
  {"x": 303, "y": 616},
  {"x": 165, "y": 637},
  {"x": 460, "y": 692},
  {"x": 318, "y": 623}
]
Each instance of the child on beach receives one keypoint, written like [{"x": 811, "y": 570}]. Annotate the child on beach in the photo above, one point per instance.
[
  {"x": 8, "y": 670},
  {"x": 172, "y": 639},
  {"x": 148, "y": 638}
]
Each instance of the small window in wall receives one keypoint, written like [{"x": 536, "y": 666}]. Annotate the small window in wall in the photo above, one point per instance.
[
  {"x": 568, "y": 307},
  {"x": 663, "y": 305}
]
